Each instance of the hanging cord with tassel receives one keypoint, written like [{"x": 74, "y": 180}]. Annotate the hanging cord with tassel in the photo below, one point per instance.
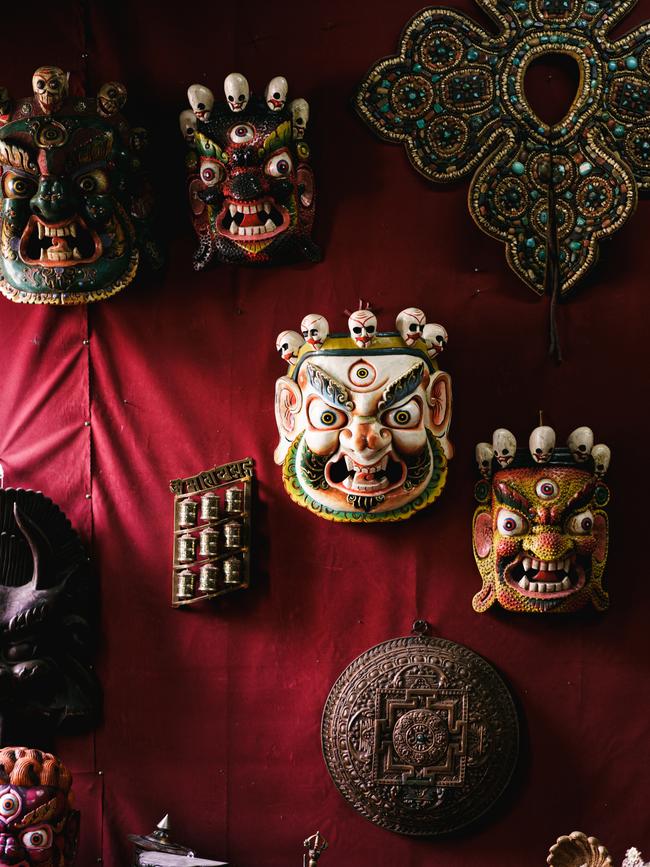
[{"x": 553, "y": 273}]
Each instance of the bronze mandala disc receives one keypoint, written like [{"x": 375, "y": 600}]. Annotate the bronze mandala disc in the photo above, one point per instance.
[{"x": 420, "y": 735}]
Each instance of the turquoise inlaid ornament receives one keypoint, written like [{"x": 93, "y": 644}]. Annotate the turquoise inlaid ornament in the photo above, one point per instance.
[{"x": 471, "y": 114}]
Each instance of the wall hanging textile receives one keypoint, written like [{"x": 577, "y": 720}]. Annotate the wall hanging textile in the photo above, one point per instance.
[{"x": 456, "y": 97}]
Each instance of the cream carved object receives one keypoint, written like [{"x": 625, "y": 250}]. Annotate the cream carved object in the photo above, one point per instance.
[{"x": 579, "y": 850}]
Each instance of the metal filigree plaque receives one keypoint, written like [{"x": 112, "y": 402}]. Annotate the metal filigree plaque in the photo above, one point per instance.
[{"x": 420, "y": 735}]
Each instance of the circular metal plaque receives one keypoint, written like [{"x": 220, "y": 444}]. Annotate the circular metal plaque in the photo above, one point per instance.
[{"x": 420, "y": 735}]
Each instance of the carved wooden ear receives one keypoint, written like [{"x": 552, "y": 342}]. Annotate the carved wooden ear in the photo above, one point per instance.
[
  {"x": 288, "y": 403},
  {"x": 484, "y": 598},
  {"x": 599, "y": 596},
  {"x": 482, "y": 532},
  {"x": 439, "y": 398}
]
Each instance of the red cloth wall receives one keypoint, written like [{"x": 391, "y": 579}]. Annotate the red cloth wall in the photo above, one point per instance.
[{"x": 214, "y": 714}]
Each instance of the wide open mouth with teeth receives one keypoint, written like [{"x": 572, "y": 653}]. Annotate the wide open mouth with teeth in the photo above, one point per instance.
[
  {"x": 346, "y": 474},
  {"x": 544, "y": 579},
  {"x": 252, "y": 221},
  {"x": 59, "y": 245}
]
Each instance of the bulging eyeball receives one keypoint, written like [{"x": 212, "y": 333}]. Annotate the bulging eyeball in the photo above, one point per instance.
[
  {"x": 435, "y": 337},
  {"x": 542, "y": 443},
  {"x": 299, "y": 117},
  {"x": 276, "y": 93},
  {"x": 602, "y": 455},
  {"x": 288, "y": 344},
  {"x": 410, "y": 324},
  {"x": 201, "y": 99},
  {"x": 580, "y": 443},
  {"x": 111, "y": 98},
  {"x": 237, "y": 91},
  {"x": 504, "y": 446},
  {"x": 484, "y": 454},
  {"x": 362, "y": 325},
  {"x": 315, "y": 329},
  {"x": 187, "y": 121}
]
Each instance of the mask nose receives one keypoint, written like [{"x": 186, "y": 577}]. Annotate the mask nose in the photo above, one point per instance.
[
  {"x": 246, "y": 187},
  {"x": 549, "y": 545},
  {"x": 52, "y": 201}
]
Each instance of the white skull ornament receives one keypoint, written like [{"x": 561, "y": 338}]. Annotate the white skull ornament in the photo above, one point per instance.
[
  {"x": 484, "y": 453},
  {"x": 237, "y": 91},
  {"x": 580, "y": 443},
  {"x": 363, "y": 327},
  {"x": 187, "y": 121},
  {"x": 542, "y": 443},
  {"x": 410, "y": 324},
  {"x": 50, "y": 86},
  {"x": 288, "y": 344},
  {"x": 435, "y": 337},
  {"x": 602, "y": 455},
  {"x": 299, "y": 117},
  {"x": 504, "y": 446},
  {"x": 276, "y": 93},
  {"x": 201, "y": 99},
  {"x": 315, "y": 329}
]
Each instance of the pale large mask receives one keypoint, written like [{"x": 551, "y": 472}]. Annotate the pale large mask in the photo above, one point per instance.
[
  {"x": 363, "y": 431},
  {"x": 75, "y": 201},
  {"x": 540, "y": 531}
]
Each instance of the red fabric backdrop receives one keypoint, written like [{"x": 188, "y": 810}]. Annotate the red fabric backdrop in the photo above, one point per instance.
[{"x": 214, "y": 714}]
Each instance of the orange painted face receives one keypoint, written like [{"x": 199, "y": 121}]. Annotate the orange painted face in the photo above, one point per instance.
[{"x": 540, "y": 540}]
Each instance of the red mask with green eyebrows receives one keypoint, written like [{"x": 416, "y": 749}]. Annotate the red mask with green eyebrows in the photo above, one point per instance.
[{"x": 540, "y": 536}]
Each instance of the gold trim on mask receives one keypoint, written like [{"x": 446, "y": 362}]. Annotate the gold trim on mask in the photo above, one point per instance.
[
  {"x": 14, "y": 155},
  {"x": 44, "y": 813}
]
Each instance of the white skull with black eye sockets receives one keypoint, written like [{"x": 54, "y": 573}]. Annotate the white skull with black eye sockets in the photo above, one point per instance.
[
  {"x": 542, "y": 443},
  {"x": 410, "y": 324},
  {"x": 484, "y": 454},
  {"x": 187, "y": 121},
  {"x": 237, "y": 91},
  {"x": 315, "y": 329},
  {"x": 504, "y": 446},
  {"x": 50, "y": 86},
  {"x": 580, "y": 443},
  {"x": 288, "y": 344},
  {"x": 363, "y": 327},
  {"x": 201, "y": 99},
  {"x": 435, "y": 337},
  {"x": 276, "y": 93},
  {"x": 299, "y": 117},
  {"x": 602, "y": 456}
]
